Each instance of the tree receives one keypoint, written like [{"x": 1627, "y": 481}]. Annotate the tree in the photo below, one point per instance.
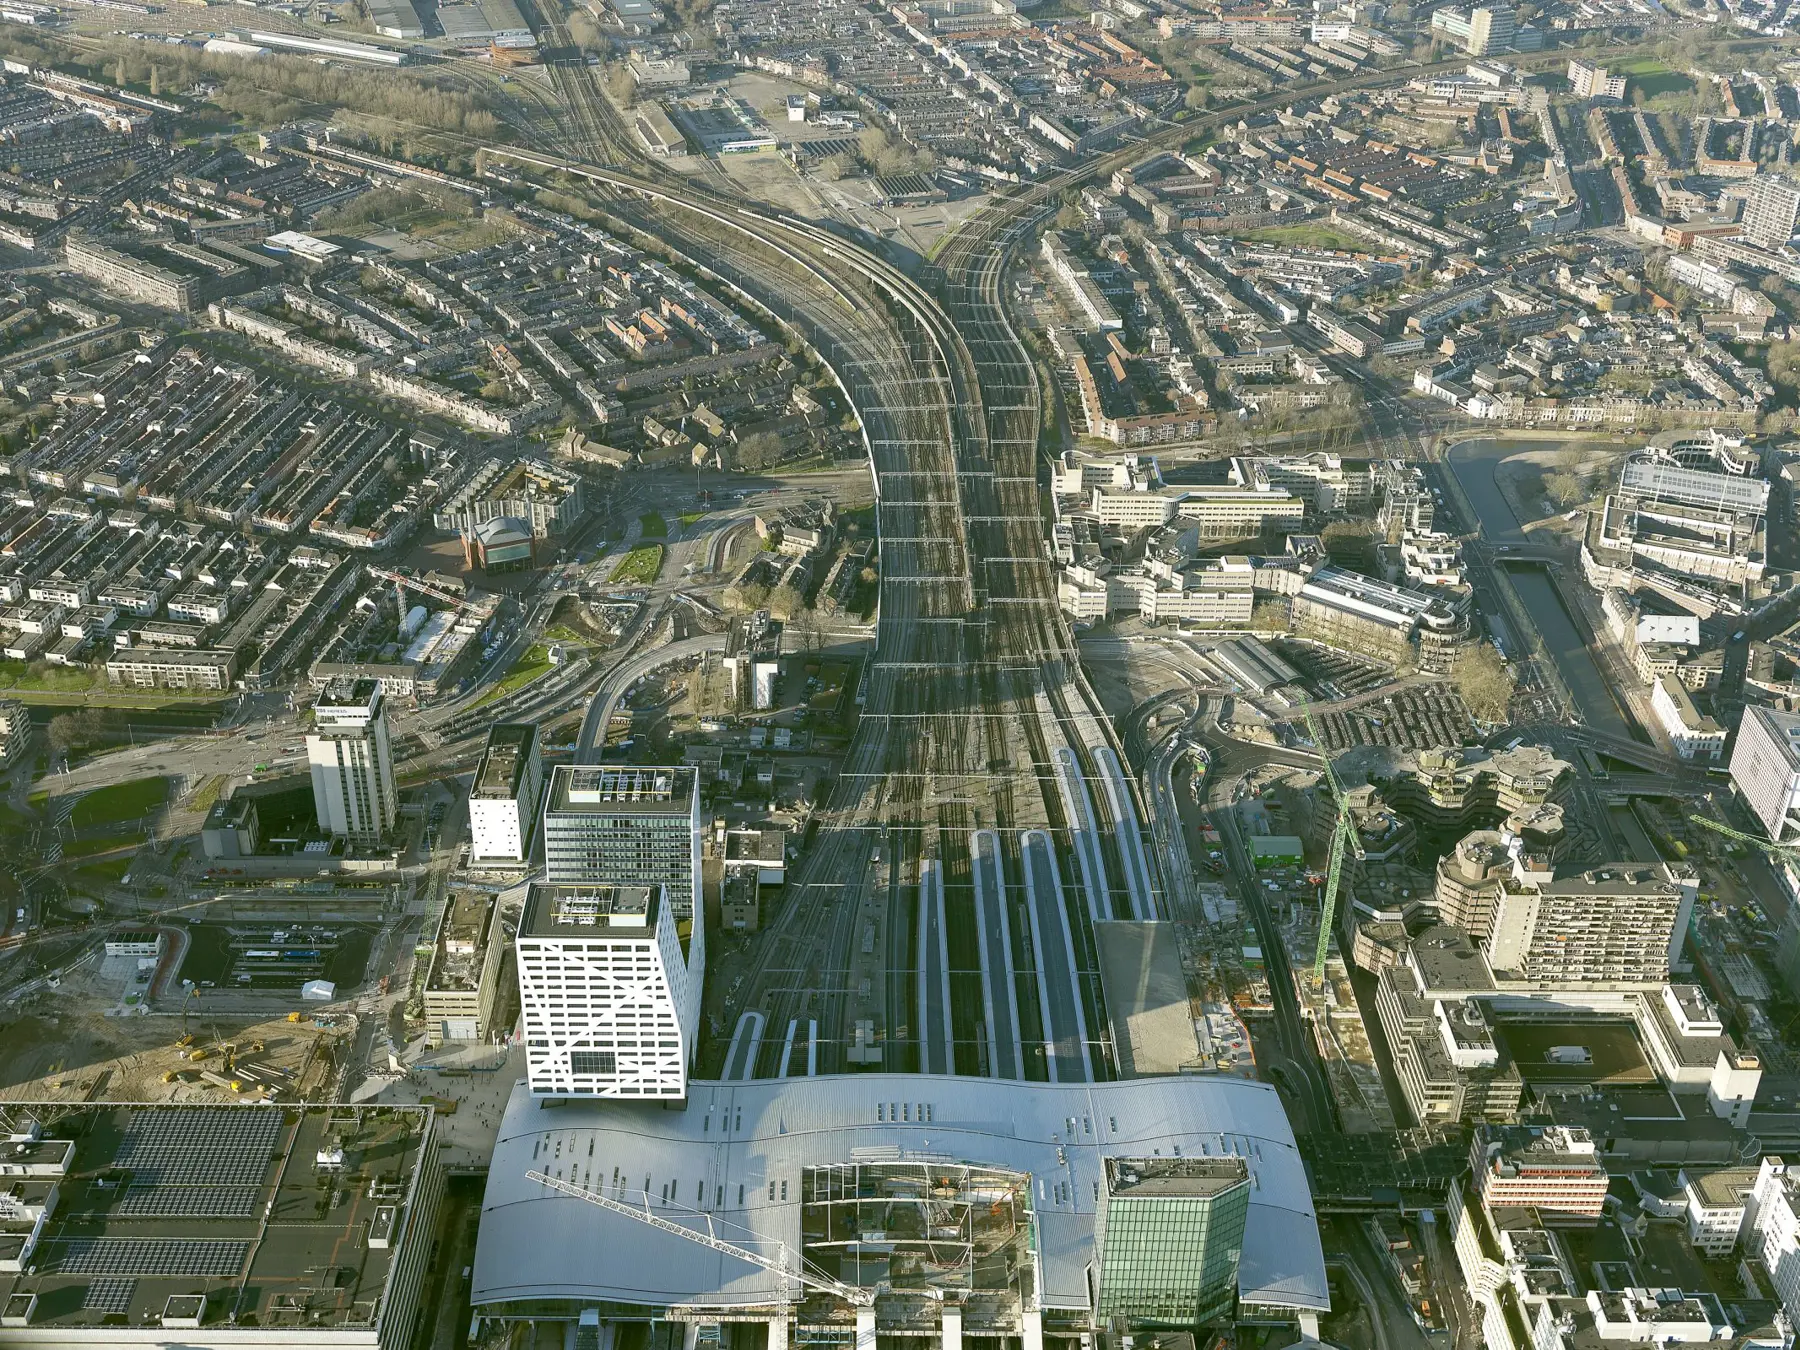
[
  {"x": 1564, "y": 488},
  {"x": 758, "y": 450},
  {"x": 81, "y": 730},
  {"x": 1784, "y": 365},
  {"x": 786, "y": 601},
  {"x": 1486, "y": 685},
  {"x": 585, "y": 33},
  {"x": 1195, "y": 98},
  {"x": 810, "y": 628},
  {"x": 1272, "y": 616}
]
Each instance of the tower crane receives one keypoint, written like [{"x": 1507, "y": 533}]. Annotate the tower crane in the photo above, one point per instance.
[
  {"x": 1784, "y": 852},
  {"x": 403, "y": 583},
  {"x": 778, "y": 1264},
  {"x": 1343, "y": 836}
]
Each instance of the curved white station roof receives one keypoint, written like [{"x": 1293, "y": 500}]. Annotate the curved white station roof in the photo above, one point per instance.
[{"x": 752, "y": 1138}]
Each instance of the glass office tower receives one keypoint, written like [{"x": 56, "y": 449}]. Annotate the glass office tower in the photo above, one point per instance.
[{"x": 1170, "y": 1234}]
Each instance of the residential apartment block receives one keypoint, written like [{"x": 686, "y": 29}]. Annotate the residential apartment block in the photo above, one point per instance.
[{"x": 352, "y": 762}]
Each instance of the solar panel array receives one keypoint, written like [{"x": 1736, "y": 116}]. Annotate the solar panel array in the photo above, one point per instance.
[
  {"x": 190, "y": 1202},
  {"x": 196, "y": 1257},
  {"x": 108, "y": 1295},
  {"x": 226, "y": 1146}
]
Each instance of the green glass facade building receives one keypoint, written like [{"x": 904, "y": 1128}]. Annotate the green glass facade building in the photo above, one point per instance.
[{"x": 1170, "y": 1235}]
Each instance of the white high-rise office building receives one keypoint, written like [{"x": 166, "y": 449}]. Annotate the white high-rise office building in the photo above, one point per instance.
[
  {"x": 1765, "y": 769},
  {"x": 625, "y": 825},
  {"x": 609, "y": 987},
  {"x": 352, "y": 764},
  {"x": 503, "y": 799},
  {"x": 1773, "y": 1217},
  {"x": 612, "y": 946}
]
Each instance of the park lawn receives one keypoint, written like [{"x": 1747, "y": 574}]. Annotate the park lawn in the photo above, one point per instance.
[
  {"x": 1643, "y": 65},
  {"x": 1664, "y": 82},
  {"x": 87, "y": 848},
  {"x": 1305, "y": 236},
  {"x": 654, "y": 526},
  {"x": 106, "y": 870},
  {"x": 638, "y": 567},
  {"x": 532, "y": 663},
  {"x": 119, "y": 802},
  {"x": 50, "y": 679}
]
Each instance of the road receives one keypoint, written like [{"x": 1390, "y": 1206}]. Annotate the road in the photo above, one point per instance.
[{"x": 613, "y": 684}]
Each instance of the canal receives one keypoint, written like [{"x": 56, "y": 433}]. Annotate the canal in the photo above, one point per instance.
[
  {"x": 1475, "y": 464},
  {"x": 1574, "y": 662}
]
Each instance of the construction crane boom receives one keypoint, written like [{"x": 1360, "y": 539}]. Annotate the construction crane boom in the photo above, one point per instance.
[
  {"x": 1786, "y": 852},
  {"x": 850, "y": 1293},
  {"x": 1342, "y": 837},
  {"x": 404, "y": 583}
]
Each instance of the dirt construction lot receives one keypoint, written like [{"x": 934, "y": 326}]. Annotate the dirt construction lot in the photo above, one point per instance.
[{"x": 77, "y": 1043}]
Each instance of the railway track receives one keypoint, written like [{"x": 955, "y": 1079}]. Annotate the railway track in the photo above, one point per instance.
[{"x": 970, "y": 640}]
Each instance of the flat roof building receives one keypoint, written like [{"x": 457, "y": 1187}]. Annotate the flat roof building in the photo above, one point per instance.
[
  {"x": 619, "y": 825},
  {"x": 1621, "y": 924},
  {"x": 303, "y": 245},
  {"x": 1553, "y": 1169},
  {"x": 172, "y": 668},
  {"x": 1146, "y": 997},
  {"x": 1170, "y": 1234},
  {"x": 1692, "y": 733},
  {"x": 133, "y": 277},
  {"x": 217, "y": 1226},
  {"x": 504, "y": 796},
  {"x": 609, "y": 983},
  {"x": 462, "y": 985},
  {"x": 352, "y": 763},
  {"x": 537, "y": 492},
  {"x": 1765, "y": 769}
]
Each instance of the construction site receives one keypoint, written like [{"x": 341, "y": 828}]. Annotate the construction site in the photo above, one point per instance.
[{"x": 56, "y": 1051}]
